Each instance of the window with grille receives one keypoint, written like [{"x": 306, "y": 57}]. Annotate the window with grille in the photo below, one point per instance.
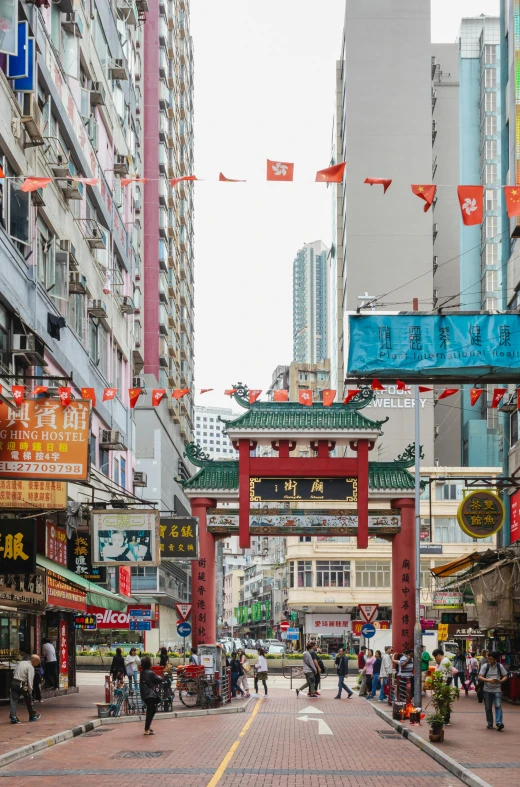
[
  {"x": 491, "y": 173},
  {"x": 490, "y": 128},
  {"x": 490, "y": 77},
  {"x": 491, "y": 226},
  {"x": 491, "y": 149},
  {"x": 372, "y": 574},
  {"x": 491, "y": 194},
  {"x": 490, "y": 102}
]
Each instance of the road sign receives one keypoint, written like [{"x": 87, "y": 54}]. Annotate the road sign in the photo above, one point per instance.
[
  {"x": 368, "y": 612},
  {"x": 284, "y": 625},
  {"x": 183, "y": 629},
  {"x": 292, "y": 634},
  {"x": 183, "y": 610},
  {"x": 140, "y": 613},
  {"x": 140, "y": 625},
  {"x": 368, "y": 630}
]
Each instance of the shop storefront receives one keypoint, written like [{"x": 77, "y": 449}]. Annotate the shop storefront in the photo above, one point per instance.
[
  {"x": 330, "y": 631},
  {"x": 115, "y": 629}
]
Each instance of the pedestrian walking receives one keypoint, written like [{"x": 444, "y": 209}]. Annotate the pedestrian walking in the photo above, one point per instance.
[
  {"x": 194, "y": 658},
  {"x": 246, "y": 668},
  {"x": 425, "y": 667},
  {"x": 473, "y": 670},
  {"x": 369, "y": 669},
  {"x": 483, "y": 658},
  {"x": 341, "y": 664},
  {"x": 316, "y": 656},
  {"x": 22, "y": 688},
  {"x": 149, "y": 684},
  {"x": 164, "y": 658},
  {"x": 384, "y": 674},
  {"x": 39, "y": 676},
  {"x": 375, "y": 674},
  {"x": 310, "y": 668},
  {"x": 361, "y": 657},
  {"x": 492, "y": 675},
  {"x": 406, "y": 676},
  {"x": 117, "y": 668},
  {"x": 443, "y": 665},
  {"x": 50, "y": 664},
  {"x": 459, "y": 664},
  {"x": 132, "y": 662},
  {"x": 236, "y": 672},
  {"x": 261, "y": 670}
]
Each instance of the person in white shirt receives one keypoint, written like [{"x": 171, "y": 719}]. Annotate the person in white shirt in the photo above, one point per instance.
[
  {"x": 21, "y": 688},
  {"x": 386, "y": 669},
  {"x": 443, "y": 665},
  {"x": 472, "y": 666},
  {"x": 261, "y": 670},
  {"x": 50, "y": 664},
  {"x": 132, "y": 662}
]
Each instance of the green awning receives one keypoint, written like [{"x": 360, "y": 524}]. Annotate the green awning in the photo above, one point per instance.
[{"x": 96, "y": 595}]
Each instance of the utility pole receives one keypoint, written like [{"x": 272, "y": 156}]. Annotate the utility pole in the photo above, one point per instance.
[{"x": 417, "y": 634}]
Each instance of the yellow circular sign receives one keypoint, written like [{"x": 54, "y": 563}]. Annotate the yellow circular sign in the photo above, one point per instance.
[{"x": 481, "y": 514}]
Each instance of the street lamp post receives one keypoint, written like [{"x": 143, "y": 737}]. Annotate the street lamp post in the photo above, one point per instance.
[{"x": 417, "y": 627}]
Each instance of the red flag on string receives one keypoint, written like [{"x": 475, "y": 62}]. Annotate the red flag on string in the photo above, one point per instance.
[
  {"x": 385, "y": 182},
  {"x": 332, "y": 174},
  {"x": 230, "y": 391},
  {"x": 512, "y": 194},
  {"x": 281, "y": 395},
  {"x": 39, "y": 389},
  {"x": 223, "y": 179},
  {"x": 89, "y": 393},
  {"x": 127, "y": 181},
  {"x": 427, "y": 193},
  {"x": 2, "y": 173},
  {"x": 350, "y": 395},
  {"x": 180, "y": 392},
  {"x": 498, "y": 393},
  {"x": 474, "y": 395},
  {"x": 86, "y": 181},
  {"x": 401, "y": 386},
  {"x": 376, "y": 385},
  {"x": 254, "y": 393},
  {"x": 19, "y": 393},
  {"x": 448, "y": 392},
  {"x": 424, "y": 389},
  {"x": 305, "y": 397},
  {"x": 205, "y": 390},
  {"x": 158, "y": 395},
  {"x": 518, "y": 398},
  {"x": 280, "y": 170},
  {"x": 134, "y": 394},
  {"x": 64, "y": 394},
  {"x": 108, "y": 393},
  {"x": 33, "y": 184},
  {"x": 471, "y": 200},
  {"x": 174, "y": 181},
  {"x": 328, "y": 397}
]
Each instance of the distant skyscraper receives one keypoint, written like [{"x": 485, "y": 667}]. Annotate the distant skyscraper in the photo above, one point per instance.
[{"x": 310, "y": 303}]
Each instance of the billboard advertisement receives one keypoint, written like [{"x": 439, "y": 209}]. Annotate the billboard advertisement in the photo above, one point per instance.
[
  {"x": 429, "y": 345},
  {"x": 110, "y": 619},
  {"x": 129, "y": 537}
]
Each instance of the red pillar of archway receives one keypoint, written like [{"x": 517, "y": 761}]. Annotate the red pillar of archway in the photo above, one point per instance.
[
  {"x": 203, "y": 579},
  {"x": 403, "y": 577}
]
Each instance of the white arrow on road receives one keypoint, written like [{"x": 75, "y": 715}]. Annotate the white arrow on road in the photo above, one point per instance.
[
  {"x": 323, "y": 727},
  {"x": 310, "y": 709}
]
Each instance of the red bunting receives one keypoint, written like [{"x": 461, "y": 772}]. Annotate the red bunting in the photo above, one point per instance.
[
  {"x": 498, "y": 393},
  {"x": 471, "y": 200},
  {"x": 424, "y": 389},
  {"x": 223, "y": 179},
  {"x": 332, "y": 174},
  {"x": 280, "y": 170},
  {"x": 174, "y": 181},
  {"x": 33, "y": 184},
  {"x": 350, "y": 395},
  {"x": 39, "y": 389},
  {"x": 385, "y": 182},
  {"x": 253, "y": 395},
  {"x": 127, "y": 181},
  {"x": 474, "y": 395},
  {"x": 447, "y": 392},
  {"x": 230, "y": 391},
  {"x": 134, "y": 394},
  {"x": 86, "y": 181},
  {"x": 64, "y": 394},
  {"x": 376, "y": 385},
  {"x": 2, "y": 173},
  {"x": 89, "y": 393},
  {"x": 305, "y": 397},
  {"x": 401, "y": 386},
  {"x": 206, "y": 390},
  {"x": 518, "y": 398},
  {"x": 158, "y": 395},
  {"x": 180, "y": 392},
  {"x": 328, "y": 397},
  {"x": 281, "y": 395},
  {"x": 512, "y": 194},
  {"x": 427, "y": 193},
  {"x": 19, "y": 393},
  {"x": 109, "y": 393}
]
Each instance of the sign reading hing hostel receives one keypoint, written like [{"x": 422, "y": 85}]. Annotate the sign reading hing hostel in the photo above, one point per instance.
[
  {"x": 17, "y": 546},
  {"x": 303, "y": 489},
  {"x": 43, "y": 439}
]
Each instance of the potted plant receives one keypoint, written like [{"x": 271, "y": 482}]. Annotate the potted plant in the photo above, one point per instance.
[
  {"x": 443, "y": 697},
  {"x": 436, "y": 722}
]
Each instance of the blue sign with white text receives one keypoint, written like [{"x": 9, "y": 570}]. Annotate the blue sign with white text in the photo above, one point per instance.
[{"x": 380, "y": 344}]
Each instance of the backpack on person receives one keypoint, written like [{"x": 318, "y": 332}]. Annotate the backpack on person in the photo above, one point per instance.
[{"x": 480, "y": 689}]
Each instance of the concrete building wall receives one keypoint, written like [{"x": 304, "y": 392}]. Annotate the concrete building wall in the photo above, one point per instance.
[{"x": 310, "y": 303}]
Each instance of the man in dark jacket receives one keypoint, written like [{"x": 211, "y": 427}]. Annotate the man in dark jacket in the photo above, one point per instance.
[
  {"x": 148, "y": 684},
  {"x": 342, "y": 670}
]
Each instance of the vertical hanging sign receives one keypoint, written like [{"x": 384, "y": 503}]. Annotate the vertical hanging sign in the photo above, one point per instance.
[{"x": 64, "y": 655}]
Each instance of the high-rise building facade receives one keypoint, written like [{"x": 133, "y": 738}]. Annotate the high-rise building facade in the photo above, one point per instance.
[
  {"x": 209, "y": 431},
  {"x": 310, "y": 303}
]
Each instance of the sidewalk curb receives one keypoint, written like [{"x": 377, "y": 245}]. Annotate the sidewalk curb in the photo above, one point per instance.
[
  {"x": 451, "y": 765},
  {"x": 60, "y": 737}
]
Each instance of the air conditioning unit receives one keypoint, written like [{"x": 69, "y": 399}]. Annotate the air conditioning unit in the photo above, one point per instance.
[
  {"x": 31, "y": 119},
  {"x": 73, "y": 24},
  {"x": 111, "y": 440},
  {"x": 97, "y": 94},
  {"x": 72, "y": 189},
  {"x": 97, "y": 309},
  {"x": 118, "y": 70},
  {"x": 30, "y": 346},
  {"x": 77, "y": 283},
  {"x": 93, "y": 132},
  {"x": 120, "y": 164},
  {"x": 127, "y": 305},
  {"x": 435, "y": 263},
  {"x": 140, "y": 478},
  {"x": 138, "y": 382}
]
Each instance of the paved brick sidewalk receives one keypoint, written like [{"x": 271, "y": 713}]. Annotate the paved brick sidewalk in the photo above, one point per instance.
[
  {"x": 278, "y": 750},
  {"x": 492, "y": 755}
]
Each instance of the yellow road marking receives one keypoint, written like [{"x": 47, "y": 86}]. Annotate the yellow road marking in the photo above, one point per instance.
[{"x": 225, "y": 762}]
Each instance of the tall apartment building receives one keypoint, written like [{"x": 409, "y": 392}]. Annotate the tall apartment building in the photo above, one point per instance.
[
  {"x": 384, "y": 241},
  {"x": 167, "y": 333},
  {"x": 209, "y": 431},
  {"x": 297, "y": 377},
  {"x": 310, "y": 303}
]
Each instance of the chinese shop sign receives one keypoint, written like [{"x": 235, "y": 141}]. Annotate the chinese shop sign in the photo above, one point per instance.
[
  {"x": 87, "y": 622},
  {"x": 17, "y": 546},
  {"x": 125, "y": 537},
  {"x": 404, "y": 620},
  {"x": 179, "y": 538},
  {"x": 42, "y": 439},
  {"x": 125, "y": 581},
  {"x": 447, "y": 599},
  {"x": 56, "y": 543},
  {"x": 515, "y": 516},
  {"x": 64, "y": 655},
  {"x": 25, "y": 592},
  {"x": 454, "y": 617},
  {"x": 199, "y": 580},
  {"x": 61, "y": 593},
  {"x": 80, "y": 558},
  {"x": 481, "y": 514},
  {"x": 33, "y": 494},
  {"x": 327, "y": 625},
  {"x": 303, "y": 489}
]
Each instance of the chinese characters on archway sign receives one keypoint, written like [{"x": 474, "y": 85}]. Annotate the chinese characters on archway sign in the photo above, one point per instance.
[
  {"x": 303, "y": 489},
  {"x": 179, "y": 538},
  {"x": 17, "y": 546},
  {"x": 406, "y": 623}
]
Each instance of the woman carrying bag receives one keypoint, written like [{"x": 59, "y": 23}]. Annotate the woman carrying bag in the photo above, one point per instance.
[
  {"x": 246, "y": 667},
  {"x": 132, "y": 663},
  {"x": 149, "y": 684}
]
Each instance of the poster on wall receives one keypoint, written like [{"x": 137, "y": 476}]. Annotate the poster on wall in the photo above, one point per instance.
[
  {"x": 128, "y": 537},
  {"x": 17, "y": 546},
  {"x": 9, "y": 26}
]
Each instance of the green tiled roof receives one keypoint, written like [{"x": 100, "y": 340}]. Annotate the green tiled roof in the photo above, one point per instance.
[
  {"x": 289, "y": 415},
  {"x": 222, "y": 475}
]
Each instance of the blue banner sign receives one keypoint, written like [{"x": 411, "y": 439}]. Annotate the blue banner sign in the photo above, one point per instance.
[{"x": 431, "y": 344}]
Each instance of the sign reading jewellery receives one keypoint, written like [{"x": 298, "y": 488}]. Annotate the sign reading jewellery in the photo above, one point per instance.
[
  {"x": 125, "y": 537},
  {"x": 433, "y": 344},
  {"x": 304, "y": 489}
]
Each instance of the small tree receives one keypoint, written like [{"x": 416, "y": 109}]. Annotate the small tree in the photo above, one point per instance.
[{"x": 443, "y": 695}]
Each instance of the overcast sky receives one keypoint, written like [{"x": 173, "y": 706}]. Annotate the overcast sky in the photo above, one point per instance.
[{"x": 264, "y": 88}]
